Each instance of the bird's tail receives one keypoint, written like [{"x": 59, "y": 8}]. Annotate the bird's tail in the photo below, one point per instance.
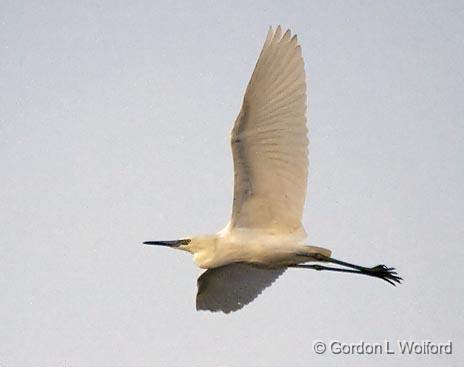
[{"x": 311, "y": 250}]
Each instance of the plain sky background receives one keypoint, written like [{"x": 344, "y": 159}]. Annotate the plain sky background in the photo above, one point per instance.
[{"x": 114, "y": 126}]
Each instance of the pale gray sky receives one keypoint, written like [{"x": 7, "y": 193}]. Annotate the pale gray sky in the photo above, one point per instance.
[{"x": 114, "y": 123}]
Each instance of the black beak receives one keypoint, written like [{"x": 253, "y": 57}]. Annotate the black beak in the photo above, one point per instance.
[{"x": 175, "y": 243}]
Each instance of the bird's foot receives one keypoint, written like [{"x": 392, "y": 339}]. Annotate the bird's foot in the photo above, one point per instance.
[{"x": 385, "y": 273}]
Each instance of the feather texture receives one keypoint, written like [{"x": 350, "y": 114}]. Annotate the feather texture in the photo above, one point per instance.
[{"x": 269, "y": 141}]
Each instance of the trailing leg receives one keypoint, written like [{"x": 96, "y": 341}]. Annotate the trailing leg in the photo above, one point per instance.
[{"x": 379, "y": 271}]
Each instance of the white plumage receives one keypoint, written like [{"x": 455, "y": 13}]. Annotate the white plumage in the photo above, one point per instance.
[
  {"x": 270, "y": 149},
  {"x": 269, "y": 141}
]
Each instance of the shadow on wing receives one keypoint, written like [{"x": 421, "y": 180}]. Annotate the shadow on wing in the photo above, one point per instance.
[{"x": 229, "y": 288}]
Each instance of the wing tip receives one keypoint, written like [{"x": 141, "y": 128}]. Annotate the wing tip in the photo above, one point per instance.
[{"x": 278, "y": 36}]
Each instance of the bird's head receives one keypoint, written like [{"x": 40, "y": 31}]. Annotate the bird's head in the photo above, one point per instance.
[{"x": 194, "y": 244}]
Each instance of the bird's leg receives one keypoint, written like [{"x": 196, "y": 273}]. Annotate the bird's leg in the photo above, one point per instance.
[
  {"x": 322, "y": 267},
  {"x": 320, "y": 257},
  {"x": 379, "y": 271}
]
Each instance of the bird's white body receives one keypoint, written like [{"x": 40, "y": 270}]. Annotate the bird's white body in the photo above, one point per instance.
[{"x": 251, "y": 246}]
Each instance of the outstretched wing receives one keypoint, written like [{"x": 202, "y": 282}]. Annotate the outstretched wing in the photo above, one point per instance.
[
  {"x": 228, "y": 288},
  {"x": 269, "y": 141}
]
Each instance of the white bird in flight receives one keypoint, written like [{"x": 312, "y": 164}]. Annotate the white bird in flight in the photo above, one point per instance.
[{"x": 270, "y": 149}]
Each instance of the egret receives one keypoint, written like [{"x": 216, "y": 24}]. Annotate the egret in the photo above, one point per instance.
[{"x": 269, "y": 142}]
